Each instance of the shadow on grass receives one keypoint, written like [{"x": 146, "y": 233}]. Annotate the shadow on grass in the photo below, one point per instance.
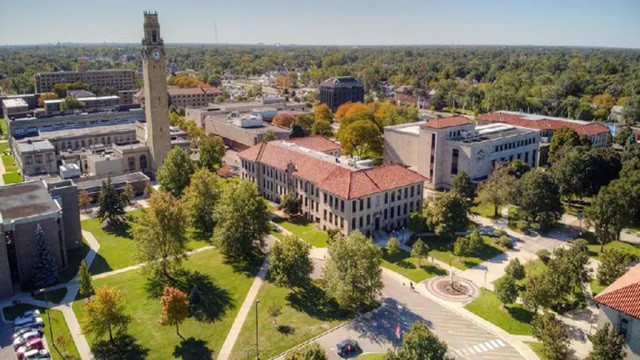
[
  {"x": 121, "y": 228},
  {"x": 192, "y": 349},
  {"x": 286, "y": 329},
  {"x": 207, "y": 301},
  {"x": 400, "y": 259},
  {"x": 99, "y": 265},
  {"x": 125, "y": 347},
  {"x": 313, "y": 301},
  {"x": 521, "y": 314}
]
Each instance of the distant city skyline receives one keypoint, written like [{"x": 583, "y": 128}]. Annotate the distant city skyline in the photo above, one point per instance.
[{"x": 331, "y": 22}]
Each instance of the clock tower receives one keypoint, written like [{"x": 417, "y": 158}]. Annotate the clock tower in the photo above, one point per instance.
[{"x": 156, "y": 102}]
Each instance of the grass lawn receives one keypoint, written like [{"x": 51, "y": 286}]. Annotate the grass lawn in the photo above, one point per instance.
[
  {"x": 221, "y": 290},
  {"x": 371, "y": 356},
  {"x": 404, "y": 264},
  {"x": 54, "y": 296},
  {"x": 485, "y": 210},
  {"x": 514, "y": 319},
  {"x": 62, "y": 342},
  {"x": 536, "y": 347},
  {"x": 9, "y": 165},
  {"x": 442, "y": 249},
  {"x": 596, "y": 288},
  {"x": 305, "y": 229},
  {"x": 117, "y": 247},
  {"x": 11, "y": 178},
  {"x": 4, "y": 146},
  {"x": 74, "y": 257},
  {"x": 304, "y": 315},
  {"x": 594, "y": 246}
]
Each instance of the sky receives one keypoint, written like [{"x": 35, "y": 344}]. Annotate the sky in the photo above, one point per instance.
[{"x": 608, "y": 23}]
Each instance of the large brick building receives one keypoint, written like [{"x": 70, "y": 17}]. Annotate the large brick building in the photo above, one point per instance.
[
  {"x": 186, "y": 97},
  {"x": 113, "y": 78},
  {"x": 335, "y": 192},
  {"x": 23, "y": 207}
]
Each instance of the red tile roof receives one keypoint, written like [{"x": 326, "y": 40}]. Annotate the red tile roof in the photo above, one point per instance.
[
  {"x": 317, "y": 143},
  {"x": 624, "y": 293},
  {"x": 447, "y": 122},
  {"x": 543, "y": 123},
  {"x": 339, "y": 180}
]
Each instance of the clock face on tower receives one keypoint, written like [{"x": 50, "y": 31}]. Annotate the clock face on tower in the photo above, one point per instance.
[{"x": 156, "y": 54}]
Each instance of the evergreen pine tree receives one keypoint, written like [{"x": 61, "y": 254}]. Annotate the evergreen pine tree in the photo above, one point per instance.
[
  {"x": 45, "y": 268},
  {"x": 84, "y": 279},
  {"x": 111, "y": 204}
]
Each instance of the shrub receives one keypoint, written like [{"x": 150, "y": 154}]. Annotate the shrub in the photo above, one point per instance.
[
  {"x": 504, "y": 241},
  {"x": 544, "y": 255},
  {"x": 515, "y": 269}
]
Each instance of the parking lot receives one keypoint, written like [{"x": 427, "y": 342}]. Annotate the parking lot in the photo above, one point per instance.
[{"x": 6, "y": 350}]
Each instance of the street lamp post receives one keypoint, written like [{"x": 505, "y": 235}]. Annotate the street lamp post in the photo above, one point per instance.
[
  {"x": 257, "y": 353},
  {"x": 46, "y": 300}
]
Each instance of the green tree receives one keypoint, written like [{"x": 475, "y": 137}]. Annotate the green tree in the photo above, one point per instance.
[
  {"x": 211, "y": 152},
  {"x": 420, "y": 251},
  {"x": 624, "y": 136},
  {"x": 241, "y": 204},
  {"x": 393, "y": 246},
  {"x": 462, "y": 184},
  {"x": 515, "y": 269},
  {"x": 175, "y": 172},
  {"x": 419, "y": 343},
  {"x": 291, "y": 204},
  {"x": 631, "y": 110},
  {"x": 274, "y": 311},
  {"x": 607, "y": 344},
  {"x": 506, "y": 289},
  {"x": 71, "y": 103},
  {"x": 84, "y": 279},
  {"x": 200, "y": 199},
  {"x": 110, "y": 204},
  {"x": 447, "y": 213},
  {"x": 571, "y": 173},
  {"x": 45, "y": 267},
  {"x": 289, "y": 263},
  {"x": 297, "y": 131},
  {"x": 496, "y": 189},
  {"x": 175, "y": 308},
  {"x": 613, "y": 264},
  {"x": 537, "y": 291},
  {"x": 106, "y": 313},
  {"x": 322, "y": 128},
  {"x": 128, "y": 193},
  {"x": 550, "y": 331},
  {"x": 306, "y": 122},
  {"x": 361, "y": 138},
  {"x": 311, "y": 351},
  {"x": 538, "y": 197},
  {"x": 269, "y": 136},
  {"x": 417, "y": 223},
  {"x": 84, "y": 199},
  {"x": 159, "y": 234},
  {"x": 608, "y": 214},
  {"x": 353, "y": 275},
  {"x": 564, "y": 139}
]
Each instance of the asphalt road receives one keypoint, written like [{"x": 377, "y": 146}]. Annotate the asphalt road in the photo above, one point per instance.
[
  {"x": 375, "y": 332},
  {"x": 6, "y": 350}
]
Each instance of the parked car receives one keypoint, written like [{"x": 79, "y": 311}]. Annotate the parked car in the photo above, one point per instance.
[
  {"x": 25, "y": 330},
  {"x": 33, "y": 344},
  {"x": 28, "y": 315},
  {"x": 21, "y": 320},
  {"x": 40, "y": 354},
  {"x": 22, "y": 339},
  {"x": 347, "y": 347},
  {"x": 34, "y": 323}
]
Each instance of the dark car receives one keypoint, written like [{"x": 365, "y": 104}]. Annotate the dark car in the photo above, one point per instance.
[{"x": 347, "y": 347}]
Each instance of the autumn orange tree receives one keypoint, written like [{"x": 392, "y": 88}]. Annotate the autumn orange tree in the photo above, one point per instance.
[
  {"x": 105, "y": 313},
  {"x": 322, "y": 112},
  {"x": 284, "y": 119},
  {"x": 175, "y": 308},
  {"x": 185, "y": 81},
  {"x": 46, "y": 96}
]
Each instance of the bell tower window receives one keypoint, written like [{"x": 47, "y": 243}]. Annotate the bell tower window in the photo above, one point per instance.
[{"x": 153, "y": 36}]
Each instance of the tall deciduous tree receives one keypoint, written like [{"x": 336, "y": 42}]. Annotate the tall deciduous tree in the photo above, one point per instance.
[
  {"x": 361, "y": 138},
  {"x": 538, "y": 196},
  {"x": 84, "y": 199},
  {"x": 45, "y": 268},
  {"x": 289, "y": 263},
  {"x": 609, "y": 213},
  {"x": 175, "y": 308},
  {"x": 211, "y": 152},
  {"x": 607, "y": 344},
  {"x": 241, "y": 204},
  {"x": 613, "y": 264},
  {"x": 571, "y": 173},
  {"x": 420, "y": 251},
  {"x": 393, "y": 246},
  {"x": 106, "y": 313},
  {"x": 291, "y": 204},
  {"x": 353, "y": 275},
  {"x": 419, "y": 343},
  {"x": 447, "y": 213},
  {"x": 200, "y": 199},
  {"x": 159, "y": 234},
  {"x": 305, "y": 121},
  {"x": 496, "y": 189},
  {"x": 321, "y": 112},
  {"x": 506, "y": 289},
  {"x": 110, "y": 204},
  {"x": 322, "y": 128},
  {"x": 128, "y": 193},
  {"x": 563, "y": 139},
  {"x": 175, "y": 172},
  {"x": 550, "y": 331},
  {"x": 284, "y": 119},
  {"x": 84, "y": 279},
  {"x": 462, "y": 184}
]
